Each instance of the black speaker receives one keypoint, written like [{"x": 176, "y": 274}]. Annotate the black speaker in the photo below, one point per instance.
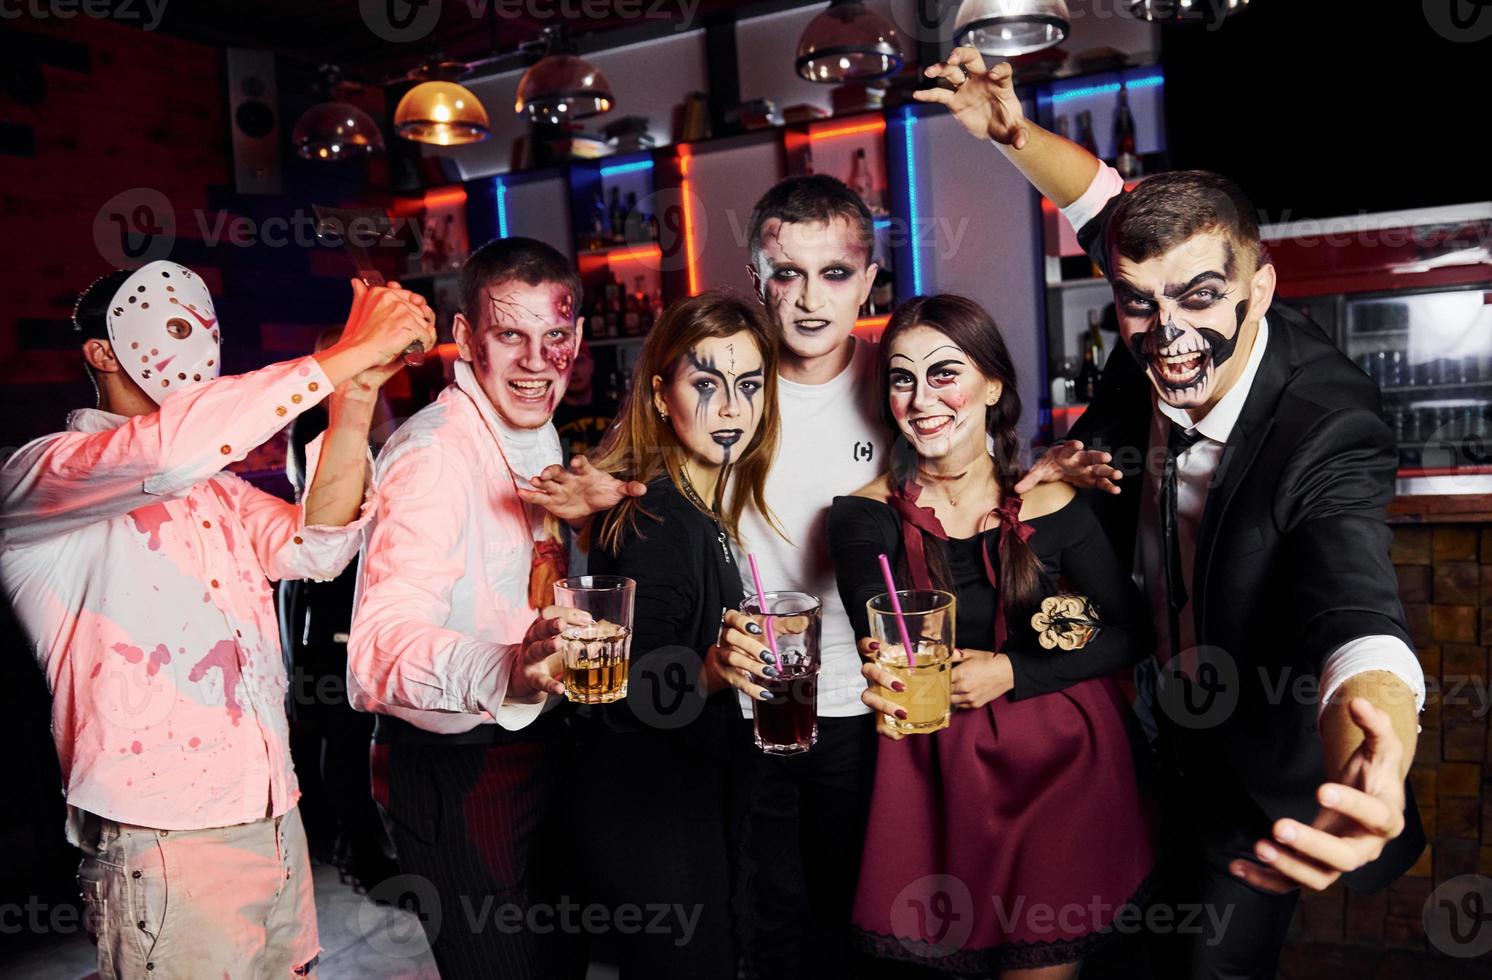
[{"x": 254, "y": 117}]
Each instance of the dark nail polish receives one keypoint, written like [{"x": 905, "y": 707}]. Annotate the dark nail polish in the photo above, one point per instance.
[
  {"x": 753, "y": 629},
  {"x": 769, "y": 670},
  {"x": 874, "y": 645},
  {"x": 901, "y": 714},
  {"x": 767, "y": 657},
  {"x": 898, "y": 686}
]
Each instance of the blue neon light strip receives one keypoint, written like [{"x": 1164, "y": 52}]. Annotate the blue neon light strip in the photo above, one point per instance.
[
  {"x": 883, "y": 223},
  {"x": 1145, "y": 81},
  {"x": 502, "y": 209},
  {"x": 626, "y": 168},
  {"x": 910, "y": 121}
]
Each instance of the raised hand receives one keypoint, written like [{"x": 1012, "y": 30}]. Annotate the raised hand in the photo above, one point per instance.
[
  {"x": 576, "y": 492},
  {"x": 1069, "y": 462},
  {"x": 1360, "y": 813},
  {"x": 983, "y": 99}
]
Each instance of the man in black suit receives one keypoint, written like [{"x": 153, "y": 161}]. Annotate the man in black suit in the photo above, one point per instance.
[{"x": 1284, "y": 696}]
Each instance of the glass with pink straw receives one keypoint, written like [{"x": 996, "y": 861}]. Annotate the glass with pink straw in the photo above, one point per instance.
[
  {"x": 915, "y": 630},
  {"x": 788, "y": 723}
]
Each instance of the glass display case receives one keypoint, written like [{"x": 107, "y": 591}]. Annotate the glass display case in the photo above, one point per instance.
[{"x": 1431, "y": 354}]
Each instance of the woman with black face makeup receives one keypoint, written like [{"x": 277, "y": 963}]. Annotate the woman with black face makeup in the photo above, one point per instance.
[
  {"x": 648, "y": 787},
  {"x": 1006, "y": 843}
]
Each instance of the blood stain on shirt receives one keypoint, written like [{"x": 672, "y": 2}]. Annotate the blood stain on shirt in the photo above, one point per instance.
[
  {"x": 136, "y": 748},
  {"x": 160, "y": 655},
  {"x": 223, "y": 656},
  {"x": 195, "y": 741},
  {"x": 133, "y": 654},
  {"x": 148, "y": 520}
]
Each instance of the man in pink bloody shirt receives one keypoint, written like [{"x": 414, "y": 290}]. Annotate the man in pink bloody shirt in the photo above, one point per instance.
[
  {"x": 139, "y": 569},
  {"x": 447, "y": 645}
]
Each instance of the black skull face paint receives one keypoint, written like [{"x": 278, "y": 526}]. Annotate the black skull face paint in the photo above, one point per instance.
[
  {"x": 1181, "y": 315},
  {"x": 712, "y": 399}
]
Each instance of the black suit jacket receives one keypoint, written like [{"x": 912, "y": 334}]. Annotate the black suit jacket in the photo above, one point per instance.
[{"x": 1292, "y": 556}]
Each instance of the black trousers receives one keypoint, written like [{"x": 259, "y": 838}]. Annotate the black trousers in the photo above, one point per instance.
[
  {"x": 1219, "y": 928},
  {"x": 645, "y": 815},
  {"x": 472, "y": 824},
  {"x": 801, "y": 829}
]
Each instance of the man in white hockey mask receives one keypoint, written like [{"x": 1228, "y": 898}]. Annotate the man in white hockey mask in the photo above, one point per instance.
[{"x": 140, "y": 570}]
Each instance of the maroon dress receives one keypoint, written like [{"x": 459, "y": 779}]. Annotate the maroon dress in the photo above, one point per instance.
[{"x": 1013, "y": 837}]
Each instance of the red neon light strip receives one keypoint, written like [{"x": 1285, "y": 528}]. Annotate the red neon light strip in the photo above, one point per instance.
[
  {"x": 878, "y": 126},
  {"x": 872, "y": 322},
  {"x": 595, "y": 259},
  {"x": 684, "y": 159},
  {"x": 445, "y": 197}
]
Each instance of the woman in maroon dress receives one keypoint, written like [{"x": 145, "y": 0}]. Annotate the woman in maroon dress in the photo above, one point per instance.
[{"x": 1007, "y": 843}]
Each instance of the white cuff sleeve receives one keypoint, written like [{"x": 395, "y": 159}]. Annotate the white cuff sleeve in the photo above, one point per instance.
[
  {"x": 1106, "y": 185},
  {"x": 1372, "y": 653}
]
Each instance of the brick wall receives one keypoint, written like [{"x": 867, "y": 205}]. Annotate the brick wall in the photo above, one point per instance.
[{"x": 1445, "y": 582}]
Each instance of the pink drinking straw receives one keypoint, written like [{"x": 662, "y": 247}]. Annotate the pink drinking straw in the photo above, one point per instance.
[
  {"x": 901, "y": 620},
  {"x": 761, "y": 603}
]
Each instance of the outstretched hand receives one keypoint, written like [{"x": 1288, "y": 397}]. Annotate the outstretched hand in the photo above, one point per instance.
[
  {"x": 1069, "y": 462},
  {"x": 1360, "y": 813},
  {"x": 576, "y": 492},
  {"x": 983, "y": 99}
]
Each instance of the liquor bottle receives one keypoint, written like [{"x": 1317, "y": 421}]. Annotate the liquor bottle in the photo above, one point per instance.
[
  {"x": 598, "y": 220},
  {"x": 1089, "y": 373},
  {"x": 860, "y": 181},
  {"x": 618, "y": 215},
  {"x": 881, "y": 293},
  {"x": 1126, "y": 160},
  {"x": 631, "y": 211},
  {"x": 1085, "y": 132}
]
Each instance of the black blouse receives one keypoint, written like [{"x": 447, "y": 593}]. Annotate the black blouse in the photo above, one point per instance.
[
  {"x": 685, "y": 577},
  {"x": 1075, "y": 554}
]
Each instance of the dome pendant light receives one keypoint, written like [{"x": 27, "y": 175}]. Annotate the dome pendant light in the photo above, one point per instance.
[
  {"x": 335, "y": 129},
  {"x": 440, "y": 112},
  {"x": 562, "y": 86},
  {"x": 1006, "y": 28},
  {"x": 849, "y": 42}
]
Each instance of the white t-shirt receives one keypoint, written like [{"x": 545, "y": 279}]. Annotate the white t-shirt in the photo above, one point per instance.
[{"x": 833, "y": 443}]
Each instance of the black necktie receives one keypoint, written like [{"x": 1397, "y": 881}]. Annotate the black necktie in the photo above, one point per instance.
[{"x": 1178, "y": 441}]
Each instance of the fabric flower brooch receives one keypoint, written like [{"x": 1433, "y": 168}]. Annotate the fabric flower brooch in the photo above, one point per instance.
[{"x": 1067, "y": 621}]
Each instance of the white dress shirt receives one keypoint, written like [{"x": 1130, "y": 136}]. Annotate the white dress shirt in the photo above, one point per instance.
[
  {"x": 442, "y": 599},
  {"x": 140, "y": 573},
  {"x": 1194, "y": 475}
]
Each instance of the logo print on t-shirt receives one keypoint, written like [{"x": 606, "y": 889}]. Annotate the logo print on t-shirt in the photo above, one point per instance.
[{"x": 864, "y": 450}]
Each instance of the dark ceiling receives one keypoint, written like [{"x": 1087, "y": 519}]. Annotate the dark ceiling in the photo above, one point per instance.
[{"x": 376, "y": 39}]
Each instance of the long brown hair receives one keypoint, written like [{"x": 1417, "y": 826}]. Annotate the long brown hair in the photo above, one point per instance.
[
  {"x": 965, "y": 322},
  {"x": 640, "y": 445}
]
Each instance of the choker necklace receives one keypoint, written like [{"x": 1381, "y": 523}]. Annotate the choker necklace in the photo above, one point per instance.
[{"x": 693, "y": 496}]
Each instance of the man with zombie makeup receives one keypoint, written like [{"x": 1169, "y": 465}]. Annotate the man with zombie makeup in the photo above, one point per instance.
[
  {"x": 140, "y": 569},
  {"x": 804, "y": 816},
  {"x": 448, "y": 643},
  {"x": 1257, "y": 530}
]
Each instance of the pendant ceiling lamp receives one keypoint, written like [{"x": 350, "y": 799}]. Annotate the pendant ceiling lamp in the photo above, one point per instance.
[
  {"x": 562, "y": 86},
  {"x": 849, "y": 42},
  {"x": 439, "y": 111},
  {"x": 335, "y": 129},
  {"x": 1184, "y": 11},
  {"x": 1006, "y": 28}
]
